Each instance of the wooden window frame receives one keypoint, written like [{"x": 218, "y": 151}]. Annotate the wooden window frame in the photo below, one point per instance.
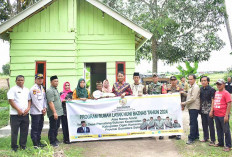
[
  {"x": 124, "y": 70},
  {"x": 45, "y": 70}
]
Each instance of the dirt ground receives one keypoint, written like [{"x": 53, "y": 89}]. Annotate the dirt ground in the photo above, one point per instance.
[
  {"x": 145, "y": 147},
  {"x": 3, "y": 84}
]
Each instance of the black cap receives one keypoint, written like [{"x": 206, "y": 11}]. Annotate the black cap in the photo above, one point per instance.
[
  {"x": 39, "y": 76},
  {"x": 53, "y": 78},
  {"x": 173, "y": 78},
  {"x": 136, "y": 74}
]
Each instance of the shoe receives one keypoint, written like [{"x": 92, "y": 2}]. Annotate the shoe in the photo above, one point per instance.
[
  {"x": 67, "y": 142},
  {"x": 204, "y": 140},
  {"x": 54, "y": 144},
  {"x": 189, "y": 142},
  {"x": 14, "y": 149},
  {"x": 41, "y": 145},
  {"x": 23, "y": 147},
  {"x": 35, "y": 143},
  {"x": 226, "y": 149},
  {"x": 178, "y": 137},
  {"x": 170, "y": 137},
  {"x": 161, "y": 137},
  {"x": 218, "y": 145},
  {"x": 36, "y": 147},
  {"x": 57, "y": 141},
  {"x": 196, "y": 139},
  {"x": 211, "y": 143}
]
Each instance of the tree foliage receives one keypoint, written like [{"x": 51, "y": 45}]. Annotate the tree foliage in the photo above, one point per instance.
[
  {"x": 6, "y": 69},
  {"x": 8, "y": 10},
  {"x": 183, "y": 30},
  {"x": 5, "y": 10},
  {"x": 188, "y": 71}
]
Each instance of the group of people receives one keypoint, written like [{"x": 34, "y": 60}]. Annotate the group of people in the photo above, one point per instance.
[
  {"x": 210, "y": 104},
  {"x": 160, "y": 124},
  {"x": 214, "y": 107}
]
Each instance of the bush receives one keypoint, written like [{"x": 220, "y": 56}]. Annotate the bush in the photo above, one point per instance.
[
  {"x": 3, "y": 94},
  {"x": 228, "y": 73},
  {"x": 6, "y": 69}
]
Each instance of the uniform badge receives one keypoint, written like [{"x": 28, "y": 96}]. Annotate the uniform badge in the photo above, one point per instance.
[{"x": 34, "y": 92}]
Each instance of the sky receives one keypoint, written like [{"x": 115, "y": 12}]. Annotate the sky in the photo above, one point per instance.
[{"x": 219, "y": 60}]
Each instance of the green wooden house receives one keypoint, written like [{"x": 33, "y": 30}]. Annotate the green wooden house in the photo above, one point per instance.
[{"x": 72, "y": 39}]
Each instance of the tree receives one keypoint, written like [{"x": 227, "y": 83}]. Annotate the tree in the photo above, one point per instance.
[
  {"x": 183, "y": 30},
  {"x": 5, "y": 10},
  {"x": 6, "y": 69},
  {"x": 23, "y": 4},
  {"x": 188, "y": 71},
  {"x": 228, "y": 28}
]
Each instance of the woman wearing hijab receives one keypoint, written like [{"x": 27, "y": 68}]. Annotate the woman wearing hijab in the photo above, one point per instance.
[
  {"x": 81, "y": 93},
  {"x": 121, "y": 88},
  {"x": 65, "y": 96},
  {"x": 106, "y": 87}
]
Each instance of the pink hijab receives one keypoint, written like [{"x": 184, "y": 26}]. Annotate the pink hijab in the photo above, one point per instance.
[
  {"x": 108, "y": 89},
  {"x": 65, "y": 92}
]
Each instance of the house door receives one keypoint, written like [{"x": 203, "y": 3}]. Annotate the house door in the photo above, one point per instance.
[
  {"x": 41, "y": 68},
  {"x": 95, "y": 72}
]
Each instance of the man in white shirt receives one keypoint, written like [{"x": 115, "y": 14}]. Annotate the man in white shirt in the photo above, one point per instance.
[
  {"x": 137, "y": 88},
  {"x": 20, "y": 103},
  {"x": 38, "y": 110}
]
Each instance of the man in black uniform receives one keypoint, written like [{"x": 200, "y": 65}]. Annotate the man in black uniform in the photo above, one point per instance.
[{"x": 229, "y": 85}]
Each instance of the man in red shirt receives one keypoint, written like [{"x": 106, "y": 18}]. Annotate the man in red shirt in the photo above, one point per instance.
[{"x": 220, "y": 111}]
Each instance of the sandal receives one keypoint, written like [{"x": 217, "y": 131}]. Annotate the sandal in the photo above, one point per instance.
[
  {"x": 226, "y": 149},
  {"x": 217, "y": 145},
  {"x": 203, "y": 140},
  {"x": 211, "y": 143}
]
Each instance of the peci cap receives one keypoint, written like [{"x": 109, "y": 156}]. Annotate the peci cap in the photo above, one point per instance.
[
  {"x": 173, "y": 78},
  {"x": 39, "y": 76},
  {"x": 136, "y": 74},
  {"x": 220, "y": 81},
  {"x": 53, "y": 77}
]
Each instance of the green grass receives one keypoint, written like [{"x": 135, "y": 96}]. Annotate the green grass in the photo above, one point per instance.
[
  {"x": 4, "y": 113},
  {"x": 67, "y": 150},
  {"x": 199, "y": 149}
]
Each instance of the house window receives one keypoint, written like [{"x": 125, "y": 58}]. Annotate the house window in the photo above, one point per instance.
[
  {"x": 120, "y": 66},
  {"x": 41, "y": 68}
]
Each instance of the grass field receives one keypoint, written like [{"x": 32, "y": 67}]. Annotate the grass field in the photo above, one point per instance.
[
  {"x": 4, "y": 113},
  {"x": 62, "y": 150}
]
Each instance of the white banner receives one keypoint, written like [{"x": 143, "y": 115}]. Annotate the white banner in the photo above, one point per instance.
[{"x": 131, "y": 117}]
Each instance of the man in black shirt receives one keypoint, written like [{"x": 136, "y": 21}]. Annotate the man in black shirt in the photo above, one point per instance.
[
  {"x": 206, "y": 96},
  {"x": 229, "y": 85}
]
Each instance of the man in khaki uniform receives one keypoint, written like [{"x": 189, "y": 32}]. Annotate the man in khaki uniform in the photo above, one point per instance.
[
  {"x": 193, "y": 105},
  {"x": 184, "y": 85},
  {"x": 144, "y": 125},
  {"x": 159, "y": 124}
]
